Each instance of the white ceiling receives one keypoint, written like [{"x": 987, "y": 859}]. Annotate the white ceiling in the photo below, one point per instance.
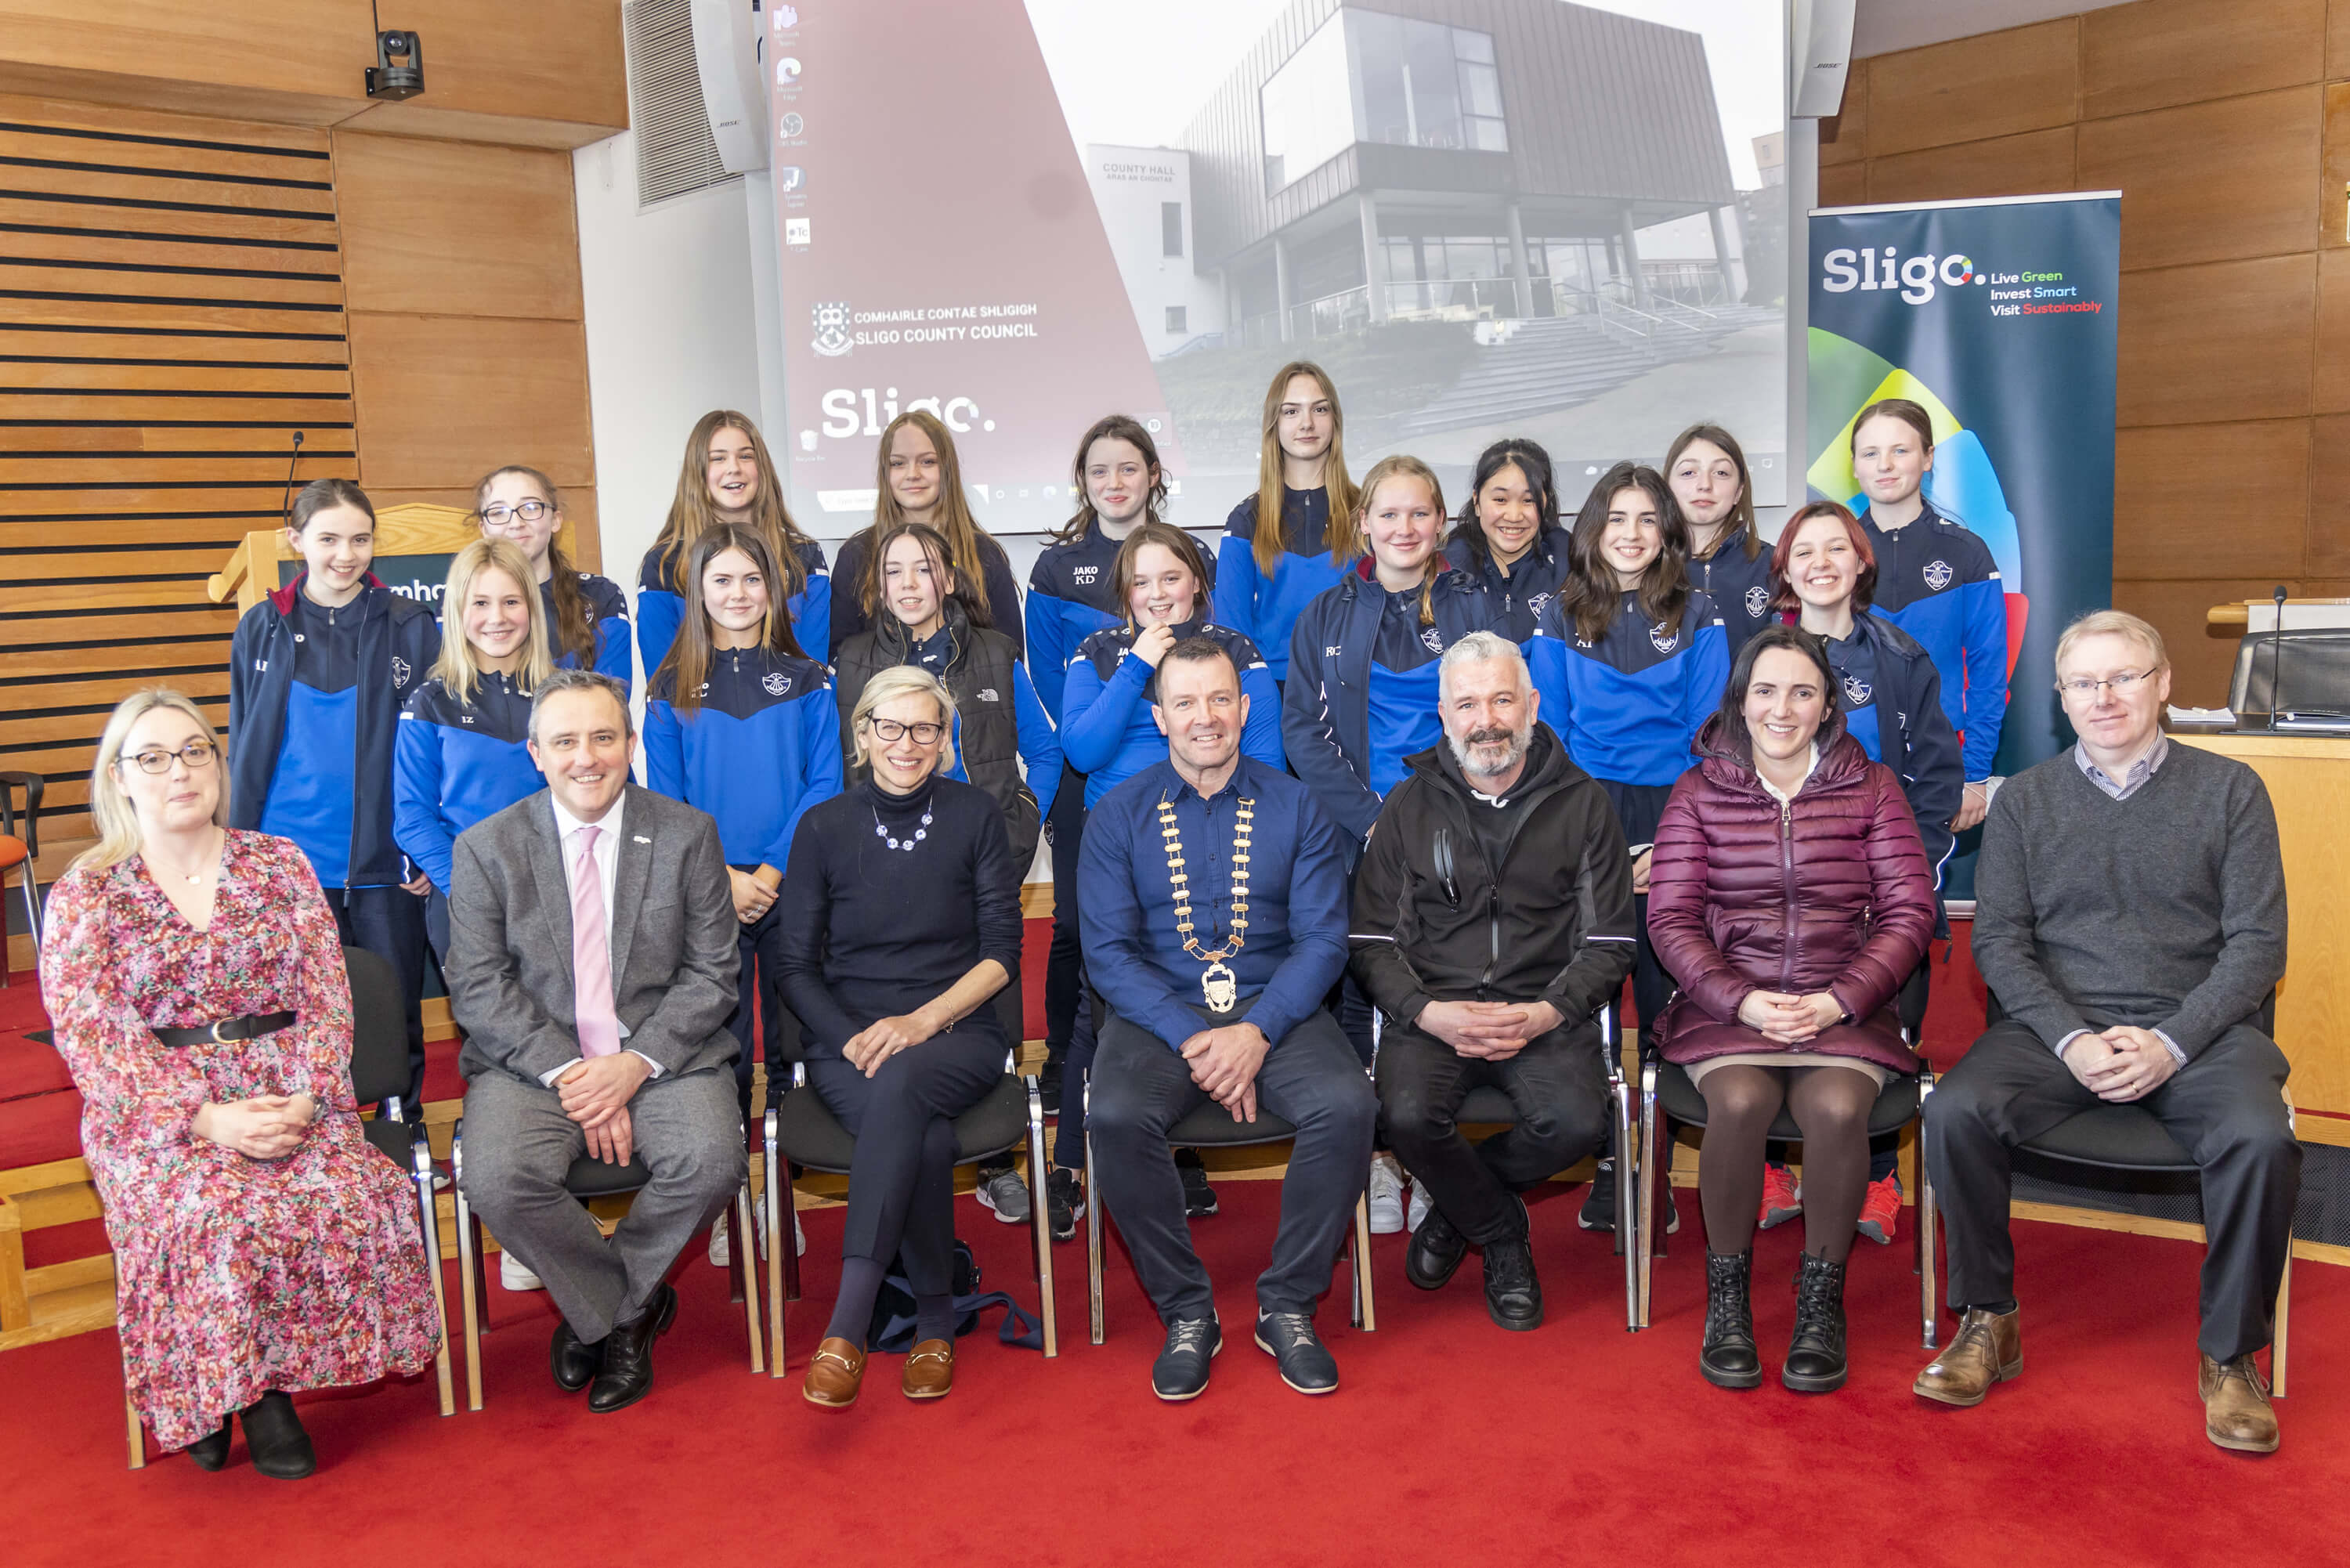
[{"x": 1881, "y": 27}]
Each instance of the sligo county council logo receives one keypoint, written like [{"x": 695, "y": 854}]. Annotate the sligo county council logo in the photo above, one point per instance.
[{"x": 832, "y": 328}]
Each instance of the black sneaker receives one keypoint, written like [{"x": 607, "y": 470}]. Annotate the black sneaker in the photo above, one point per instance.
[
  {"x": 1512, "y": 1294},
  {"x": 1064, "y": 1203},
  {"x": 1199, "y": 1198},
  {"x": 1048, "y": 1086},
  {"x": 1289, "y": 1338},
  {"x": 1599, "y": 1205},
  {"x": 1436, "y": 1250},
  {"x": 1180, "y": 1372}
]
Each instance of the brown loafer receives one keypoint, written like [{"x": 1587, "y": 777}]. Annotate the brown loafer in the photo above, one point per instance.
[
  {"x": 2236, "y": 1409},
  {"x": 835, "y": 1374},
  {"x": 929, "y": 1370},
  {"x": 1989, "y": 1349}
]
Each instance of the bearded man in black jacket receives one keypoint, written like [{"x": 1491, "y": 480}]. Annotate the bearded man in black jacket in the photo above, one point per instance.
[{"x": 1493, "y": 916}]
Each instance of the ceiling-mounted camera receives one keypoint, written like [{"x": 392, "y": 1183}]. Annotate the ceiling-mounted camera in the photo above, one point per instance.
[{"x": 398, "y": 69}]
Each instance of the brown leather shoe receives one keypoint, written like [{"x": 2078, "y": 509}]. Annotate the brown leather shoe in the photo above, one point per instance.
[
  {"x": 1988, "y": 1350},
  {"x": 835, "y": 1374},
  {"x": 2236, "y": 1410},
  {"x": 929, "y": 1370}
]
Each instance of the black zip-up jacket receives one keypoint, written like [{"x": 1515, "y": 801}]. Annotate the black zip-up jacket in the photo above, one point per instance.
[{"x": 1435, "y": 920}]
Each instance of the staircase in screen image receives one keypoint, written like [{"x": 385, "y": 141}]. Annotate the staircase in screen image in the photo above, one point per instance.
[{"x": 1548, "y": 363}]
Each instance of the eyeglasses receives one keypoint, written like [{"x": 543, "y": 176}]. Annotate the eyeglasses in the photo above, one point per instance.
[
  {"x": 2085, "y": 689},
  {"x": 497, "y": 514},
  {"x": 156, "y": 760},
  {"x": 924, "y": 735}
]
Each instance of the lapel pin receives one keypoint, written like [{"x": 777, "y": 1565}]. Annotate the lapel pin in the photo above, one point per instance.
[{"x": 640, "y": 839}]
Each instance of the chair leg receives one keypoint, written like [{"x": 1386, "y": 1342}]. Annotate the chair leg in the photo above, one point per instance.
[
  {"x": 745, "y": 1255},
  {"x": 1928, "y": 1308},
  {"x": 420, "y": 1157},
  {"x": 1366, "y": 1318},
  {"x": 1040, "y": 1219},
  {"x": 137, "y": 1434},
  {"x": 2283, "y": 1312},
  {"x": 1628, "y": 1168},
  {"x": 783, "y": 1243},
  {"x": 1652, "y": 1158},
  {"x": 1093, "y": 1240},
  {"x": 473, "y": 1287}
]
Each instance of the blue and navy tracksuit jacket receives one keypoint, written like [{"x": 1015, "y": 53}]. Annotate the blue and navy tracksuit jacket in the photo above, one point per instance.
[
  {"x": 1518, "y": 595},
  {"x": 1362, "y": 688},
  {"x": 1891, "y": 699},
  {"x": 1740, "y": 588},
  {"x": 1071, "y": 596},
  {"x": 608, "y": 611},
  {"x": 659, "y": 607},
  {"x": 1106, "y": 730},
  {"x": 1628, "y": 707},
  {"x": 762, "y": 748},
  {"x": 314, "y": 698},
  {"x": 1265, "y": 611},
  {"x": 1937, "y": 581},
  {"x": 457, "y": 763}
]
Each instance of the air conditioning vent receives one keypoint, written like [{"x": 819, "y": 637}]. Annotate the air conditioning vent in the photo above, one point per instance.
[{"x": 675, "y": 152}]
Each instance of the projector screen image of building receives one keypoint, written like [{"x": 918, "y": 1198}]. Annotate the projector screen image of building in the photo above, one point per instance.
[{"x": 1483, "y": 218}]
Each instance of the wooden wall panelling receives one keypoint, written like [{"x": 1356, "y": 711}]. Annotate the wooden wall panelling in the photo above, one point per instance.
[
  {"x": 579, "y": 536},
  {"x": 2329, "y": 496},
  {"x": 2329, "y": 388},
  {"x": 1844, "y": 185},
  {"x": 1843, "y": 137},
  {"x": 2160, "y": 52},
  {"x": 450, "y": 228},
  {"x": 2207, "y": 181},
  {"x": 442, "y": 399},
  {"x": 2034, "y": 160},
  {"x": 1995, "y": 83},
  {"x": 2200, "y": 662},
  {"x": 2226, "y": 340},
  {"x": 2334, "y": 170},
  {"x": 2174, "y": 484},
  {"x": 2337, "y": 40}
]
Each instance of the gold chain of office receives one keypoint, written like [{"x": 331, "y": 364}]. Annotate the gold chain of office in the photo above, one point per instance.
[{"x": 1218, "y": 984}]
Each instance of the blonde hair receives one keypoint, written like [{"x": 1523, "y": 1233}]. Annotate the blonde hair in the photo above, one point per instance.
[
  {"x": 119, "y": 834},
  {"x": 1346, "y": 536},
  {"x": 1403, "y": 465},
  {"x": 904, "y": 680},
  {"x": 456, "y": 668},
  {"x": 2112, "y": 623}
]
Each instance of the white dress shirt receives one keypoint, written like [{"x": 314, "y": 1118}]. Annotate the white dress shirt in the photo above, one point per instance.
[{"x": 607, "y": 870}]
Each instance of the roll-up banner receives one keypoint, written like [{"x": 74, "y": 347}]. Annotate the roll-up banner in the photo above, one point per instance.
[{"x": 1999, "y": 317}]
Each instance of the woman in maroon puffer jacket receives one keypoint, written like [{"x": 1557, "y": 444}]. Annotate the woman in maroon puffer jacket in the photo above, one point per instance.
[{"x": 1790, "y": 896}]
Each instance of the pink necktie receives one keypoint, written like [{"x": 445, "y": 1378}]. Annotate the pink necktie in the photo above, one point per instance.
[{"x": 591, "y": 954}]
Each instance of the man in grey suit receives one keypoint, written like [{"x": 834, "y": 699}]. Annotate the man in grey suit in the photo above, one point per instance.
[{"x": 592, "y": 968}]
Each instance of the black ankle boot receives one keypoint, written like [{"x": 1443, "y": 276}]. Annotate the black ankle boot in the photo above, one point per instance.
[
  {"x": 274, "y": 1434},
  {"x": 211, "y": 1451},
  {"x": 1816, "y": 1362},
  {"x": 1728, "y": 1358}
]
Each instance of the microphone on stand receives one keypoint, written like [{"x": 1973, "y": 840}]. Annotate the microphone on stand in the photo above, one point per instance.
[
  {"x": 287, "y": 506},
  {"x": 2276, "y": 660}
]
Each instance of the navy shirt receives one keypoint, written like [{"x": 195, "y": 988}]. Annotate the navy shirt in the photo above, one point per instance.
[{"x": 1296, "y": 939}]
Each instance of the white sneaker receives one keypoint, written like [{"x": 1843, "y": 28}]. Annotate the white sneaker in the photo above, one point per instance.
[
  {"x": 1387, "y": 1195},
  {"x": 799, "y": 1238},
  {"x": 721, "y": 1251},
  {"x": 1420, "y": 1205},
  {"x": 516, "y": 1275}
]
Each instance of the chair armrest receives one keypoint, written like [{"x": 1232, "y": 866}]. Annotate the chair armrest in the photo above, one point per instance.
[{"x": 31, "y": 784}]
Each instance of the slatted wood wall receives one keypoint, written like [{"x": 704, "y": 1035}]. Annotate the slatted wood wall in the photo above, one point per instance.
[{"x": 170, "y": 313}]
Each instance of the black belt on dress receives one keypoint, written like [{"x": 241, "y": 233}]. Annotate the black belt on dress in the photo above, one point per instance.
[{"x": 250, "y": 1027}]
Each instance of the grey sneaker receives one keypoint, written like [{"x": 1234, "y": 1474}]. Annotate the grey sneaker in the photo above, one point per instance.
[{"x": 1002, "y": 1194}]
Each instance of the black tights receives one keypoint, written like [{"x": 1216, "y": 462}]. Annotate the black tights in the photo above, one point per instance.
[{"x": 1831, "y": 1106}]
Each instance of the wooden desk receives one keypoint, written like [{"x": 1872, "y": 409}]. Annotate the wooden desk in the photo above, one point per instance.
[{"x": 2309, "y": 783}]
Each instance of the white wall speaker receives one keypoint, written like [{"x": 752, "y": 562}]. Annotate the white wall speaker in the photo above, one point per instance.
[
  {"x": 726, "y": 54},
  {"x": 1820, "y": 52}
]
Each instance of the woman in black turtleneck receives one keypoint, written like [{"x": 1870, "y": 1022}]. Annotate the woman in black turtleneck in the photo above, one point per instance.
[{"x": 901, "y": 919}]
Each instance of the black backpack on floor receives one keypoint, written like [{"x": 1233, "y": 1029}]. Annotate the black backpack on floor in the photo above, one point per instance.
[{"x": 892, "y": 1330}]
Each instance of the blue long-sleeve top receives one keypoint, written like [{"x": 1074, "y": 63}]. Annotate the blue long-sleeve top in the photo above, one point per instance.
[
  {"x": 660, "y": 608},
  {"x": 1071, "y": 596},
  {"x": 455, "y": 764},
  {"x": 1295, "y": 946},
  {"x": 608, "y": 611},
  {"x": 1106, "y": 730},
  {"x": 1265, "y": 610},
  {"x": 1519, "y": 593},
  {"x": 1629, "y": 706},
  {"x": 763, "y": 746},
  {"x": 1937, "y": 581}
]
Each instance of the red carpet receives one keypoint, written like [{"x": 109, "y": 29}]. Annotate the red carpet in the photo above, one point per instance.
[{"x": 1448, "y": 1435}]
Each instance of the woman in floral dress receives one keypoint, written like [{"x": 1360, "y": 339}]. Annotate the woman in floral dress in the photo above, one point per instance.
[{"x": 261, "y": 1245}]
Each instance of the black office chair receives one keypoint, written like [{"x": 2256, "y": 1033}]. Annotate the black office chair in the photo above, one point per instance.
[
  {"x": 379, "y": 1075},
  {"x": 588, "y": 1179},
  {"x": 2123, "y": 1141},
  {"x": 801, "y": 1131},
  {"x": 1668, "y": 1097}
]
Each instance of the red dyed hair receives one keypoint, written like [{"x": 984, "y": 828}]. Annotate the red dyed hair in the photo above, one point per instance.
[{"x": 1783, "y": 592}]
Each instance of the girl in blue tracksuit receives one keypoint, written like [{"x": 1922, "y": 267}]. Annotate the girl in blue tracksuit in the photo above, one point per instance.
[
  {"x": 317, "y": 672},
  {"x": 1628, "y": 660},
  {"x": 728, "y": 477},
  {"x": 1073, "y": 594},
  {"x": 1728, "y": 561},
  {"x": 586, "y": 614},
  {"x": 1508, "y": 537},
  {"x": 741, "y": 723},
  {"x": 1297, "y": 537},
  {"x": 463, "y": 746},
  {"x": 1937, "y": 581}
]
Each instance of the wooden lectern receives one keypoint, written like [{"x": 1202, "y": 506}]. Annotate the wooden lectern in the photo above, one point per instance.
[{"x": 413, "y": 542}]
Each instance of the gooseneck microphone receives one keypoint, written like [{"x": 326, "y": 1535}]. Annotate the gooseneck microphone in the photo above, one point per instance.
[
  {"x": 2277, "y": 662},
  {"x": 287, "y": 507}
]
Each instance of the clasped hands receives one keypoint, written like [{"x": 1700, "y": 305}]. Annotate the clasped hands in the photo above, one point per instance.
[
  {"x": 1224, "y": 1063},
  {"x": 266, "y": 1126},
  {"x": 1488, "y": 1031},
  {"x": 2121, "y": 1065},
  {"x": 885, "y": 1037},
  {"x": 1786, "y": 1019},
  {"x": 754, "y": 892},
  {"x": 596, "y": 1092}
]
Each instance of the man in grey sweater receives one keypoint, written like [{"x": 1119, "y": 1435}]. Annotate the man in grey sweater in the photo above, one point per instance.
[{"x": 2130, "y": 920}]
